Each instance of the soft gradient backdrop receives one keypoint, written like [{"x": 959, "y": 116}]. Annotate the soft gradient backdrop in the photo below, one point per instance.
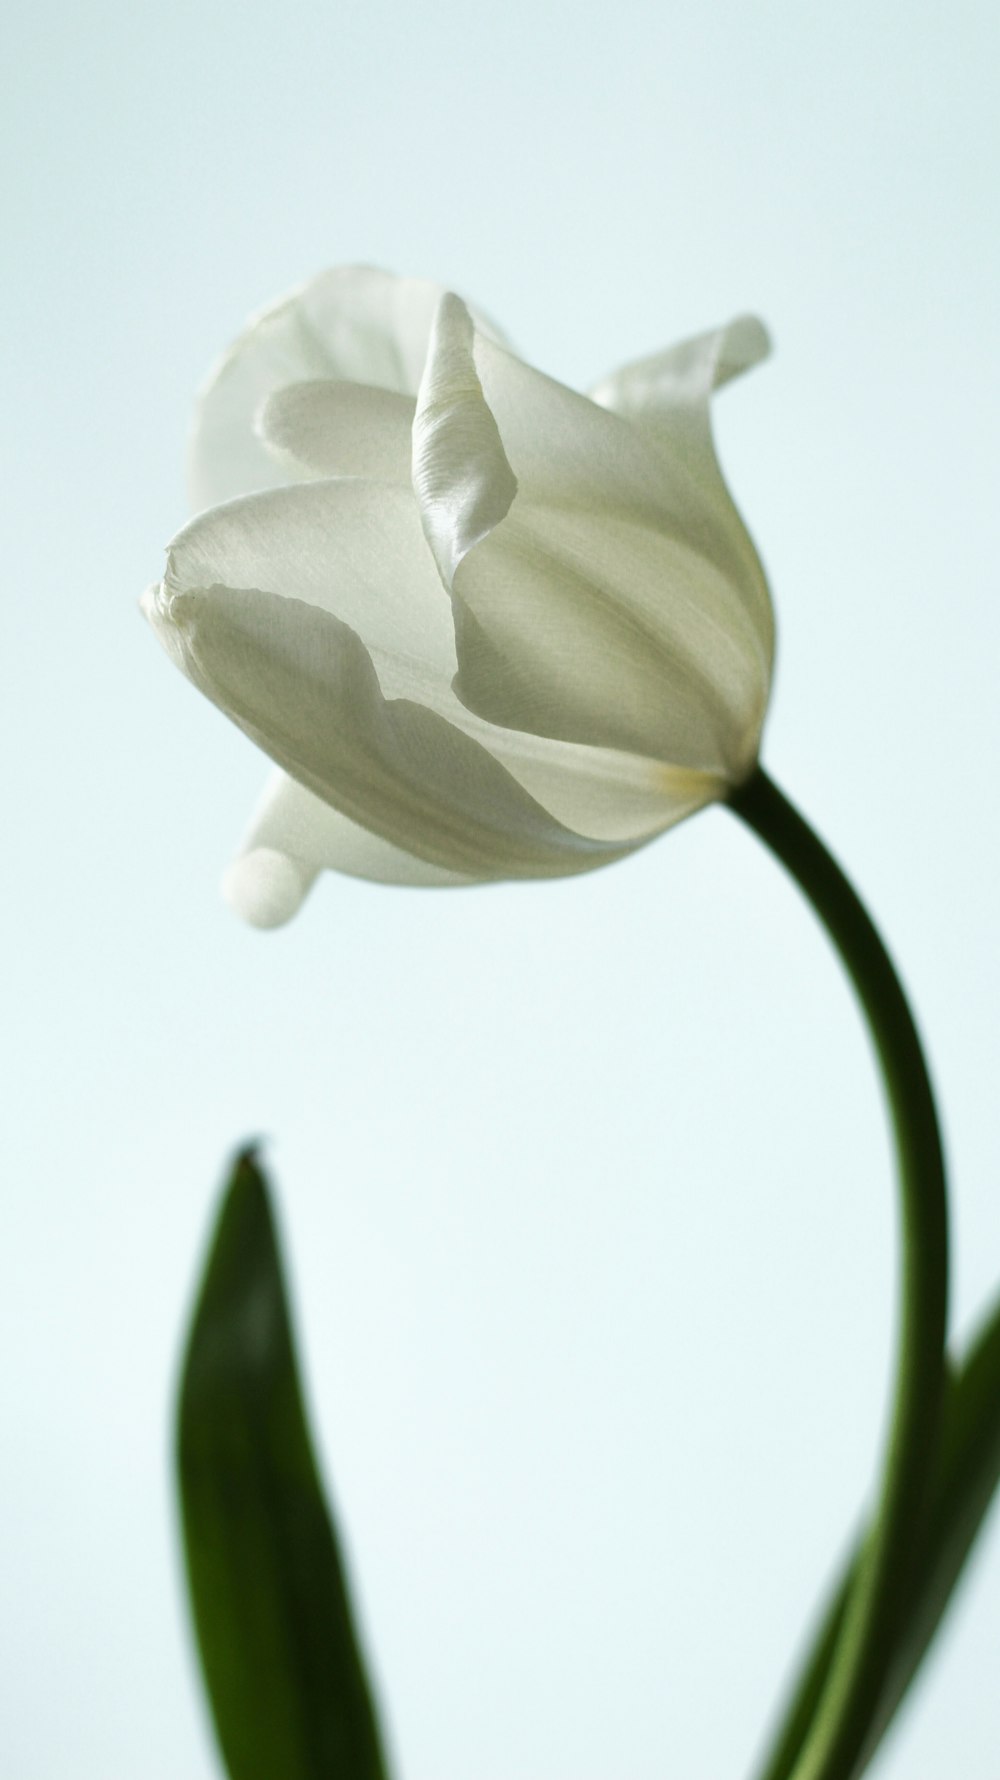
[{"x": 586, "y": 1187}]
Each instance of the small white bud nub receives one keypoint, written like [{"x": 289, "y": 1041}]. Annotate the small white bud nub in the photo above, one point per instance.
[{"x": 265, "y": 887}]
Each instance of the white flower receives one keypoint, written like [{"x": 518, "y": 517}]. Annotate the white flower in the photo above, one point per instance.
[{"x": 487, "y": 628}]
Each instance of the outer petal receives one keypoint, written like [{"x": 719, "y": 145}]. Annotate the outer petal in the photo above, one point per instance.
[
  {"x": 293, "y": 836},
  {"x": 586, "y": 620},
  {"x": 302, "y": 685},
  {"x": 606, "y": 793},
  {"x": 565, "y": 449},
  {"x": 357, "y": 551},
  {"x": 655, "y": 391},
  {"x": 594, "y": 629},
  {"x": 667, "y": 397},
  {"x": 621, "y": 604},
  {"x": 353, "y": 323}
]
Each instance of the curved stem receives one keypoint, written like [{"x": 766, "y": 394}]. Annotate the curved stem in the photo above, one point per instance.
[{"x": 827, "y": 1744}]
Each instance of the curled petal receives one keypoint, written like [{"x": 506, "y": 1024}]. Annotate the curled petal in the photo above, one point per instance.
[
  {"x": 462, "y": 480},
  {"x": 354, "y": 549},
  {"x": 302, "y": 685},
  {"x": 357, "y": 551},
  {"x": 660, "y": 390},
  {"x": 667, "y": 398}
]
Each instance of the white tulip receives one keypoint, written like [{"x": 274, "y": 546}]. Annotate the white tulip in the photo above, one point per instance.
[{"x": 487, "y": 628}]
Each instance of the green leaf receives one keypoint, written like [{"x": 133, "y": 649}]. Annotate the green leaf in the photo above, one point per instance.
[
  {"x": 279, "y": 1653},
  {"x": 968, "y": 1473}
]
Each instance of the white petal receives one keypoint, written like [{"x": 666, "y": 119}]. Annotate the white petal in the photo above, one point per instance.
[
  {"x": 667, "y": 385},
  {"x": 292, "y": 837},
  {"x": 339, "y": 429},
  {"x": 667, "y": 397},
  {"x": 596, "y": 630},
  {"x": 606, "y": 793},
  {"x": 562, "y": 447},
  {"x": 462, "y": 480},
  {"x": 353, "y": 548},
  {"x": 353, "y": 323},
  {"x": 565, "y": 449},
  {"x": 358, "y": 551},
  {"x": 302, "y": 685}
]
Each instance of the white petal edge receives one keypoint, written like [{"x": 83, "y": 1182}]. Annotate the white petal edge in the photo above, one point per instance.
[
  {"x": 461, "y": 477},
  {"x": 667, "y": 398},
  {"x": 350, "y": 547},
  {"x": 683, "y": 376}
]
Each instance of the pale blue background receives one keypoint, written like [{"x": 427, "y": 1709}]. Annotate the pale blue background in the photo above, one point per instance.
[{"x": 586, "y": 1187}]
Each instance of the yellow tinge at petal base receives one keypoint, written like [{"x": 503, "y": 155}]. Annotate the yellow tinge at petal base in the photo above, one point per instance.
[{"x": 486, "y": 627}]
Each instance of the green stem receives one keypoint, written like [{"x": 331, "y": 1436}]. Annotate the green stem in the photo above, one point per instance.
[{"x": 826, "y": 1743}]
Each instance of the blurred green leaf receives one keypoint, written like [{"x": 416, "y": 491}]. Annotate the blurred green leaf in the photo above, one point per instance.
[
  {"x": 279, "y": 1653},
  {"x": 969, "y": 1472},
  {"x": 967, "y": 1479}
]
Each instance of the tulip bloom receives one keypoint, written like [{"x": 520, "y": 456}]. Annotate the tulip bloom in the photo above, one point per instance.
[{"x": 486, "y": 627}]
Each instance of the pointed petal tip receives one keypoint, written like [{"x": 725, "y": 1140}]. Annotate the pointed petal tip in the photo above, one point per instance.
[
  {"x": 461, "y": 476},
  {"x": 265, "y": 887}
]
